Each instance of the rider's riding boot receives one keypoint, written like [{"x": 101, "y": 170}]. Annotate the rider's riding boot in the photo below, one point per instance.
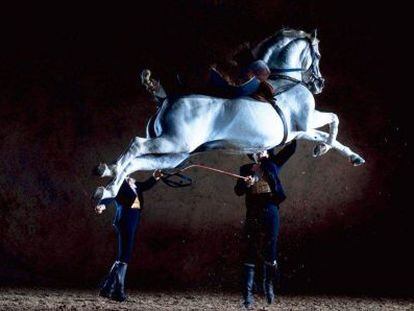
[
  {"x": 248, "y": 283},
  {"x": 109, "y": 282},
  {"x": 118, "y": 293},
  {"x": 265, "y": 92},
  {"x": 269, "y": 274},
  {"x": 153, "y": 86}
]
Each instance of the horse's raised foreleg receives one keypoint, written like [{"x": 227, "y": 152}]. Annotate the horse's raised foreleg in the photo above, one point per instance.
[
  {"x": 319, "y": 119},
  {"x": 322, "y": 137},
  {"x": 142, "y": 163}
]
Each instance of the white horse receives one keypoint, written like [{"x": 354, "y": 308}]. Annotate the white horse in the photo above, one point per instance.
[{"x": 197, "y": 123}]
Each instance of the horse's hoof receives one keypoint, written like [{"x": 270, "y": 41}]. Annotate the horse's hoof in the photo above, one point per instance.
[
  {"x": 98, "y": 195},
  {"x": 357, "y": 160},
  {"x": 101, "y": 170},
  {"x": 320, "y": 150}
]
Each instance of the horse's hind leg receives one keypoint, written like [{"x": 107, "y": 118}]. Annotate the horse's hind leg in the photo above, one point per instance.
[
  {"x": 322, "y": 137},
  {"x": 140, "y": 147},
  {"x": 143, "y": 163},
  {"x": 133, "y": 150},
  {"x": 156, "y": 161},
  {"x": 319, "y": 119}
]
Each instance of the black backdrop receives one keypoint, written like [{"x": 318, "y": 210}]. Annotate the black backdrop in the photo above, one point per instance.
[{"x": 69, "y": 98}]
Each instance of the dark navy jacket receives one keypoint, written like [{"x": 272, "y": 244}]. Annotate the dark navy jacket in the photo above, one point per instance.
[
  {"x": 271, "y": 167},
  {"x": 126, "y": 196}
]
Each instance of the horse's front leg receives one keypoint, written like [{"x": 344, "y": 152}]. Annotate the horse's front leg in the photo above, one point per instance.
[
  {"x": 319, "y": 119},
  {"x": 322, "y": 137},
  {"x": 143, "y": 163}
]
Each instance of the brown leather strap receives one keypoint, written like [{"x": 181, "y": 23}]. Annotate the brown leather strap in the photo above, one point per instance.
[{"x": 282, "y": 117}]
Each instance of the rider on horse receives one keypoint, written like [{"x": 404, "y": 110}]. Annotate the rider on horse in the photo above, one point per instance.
[{"x": 255, "y": 85}]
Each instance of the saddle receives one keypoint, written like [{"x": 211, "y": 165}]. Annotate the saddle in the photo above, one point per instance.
[
  {"x": 258, "y": 89},
  {"x": 265, "y": 93},
  {"x": 217, "y": 85}
]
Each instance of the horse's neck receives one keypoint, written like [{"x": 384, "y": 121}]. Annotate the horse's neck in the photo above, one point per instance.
[
  {"x": 297, "y": 75},
  {"x": 281, "y": 84},
  {"x": 290, "y": 57}
]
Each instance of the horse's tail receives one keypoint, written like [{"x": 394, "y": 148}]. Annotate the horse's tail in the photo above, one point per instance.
[{"x": 150, "y": 130}]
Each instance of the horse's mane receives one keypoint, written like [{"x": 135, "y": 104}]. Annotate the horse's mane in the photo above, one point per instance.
[
  {"x": 278, "y": 41},
  {"x": 293, "y": 33}
]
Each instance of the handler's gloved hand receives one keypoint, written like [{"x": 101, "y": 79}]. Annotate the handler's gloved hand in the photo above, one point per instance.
[
  {"x": 100, "y": 208},
  {"x": 157, "y": 174},
  {"x": 250, "y": 180}
]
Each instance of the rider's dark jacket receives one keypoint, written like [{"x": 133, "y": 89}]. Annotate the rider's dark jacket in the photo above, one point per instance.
[{"x": 126, "y": 195}]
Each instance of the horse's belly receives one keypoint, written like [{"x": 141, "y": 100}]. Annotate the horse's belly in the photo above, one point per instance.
[{"x": 251, "y": 123}]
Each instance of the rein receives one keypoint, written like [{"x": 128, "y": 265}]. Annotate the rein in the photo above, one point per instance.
[
  {"x": 281, "y": 70},
  {"x": 277, "y": 73},
  {"x": 187, "y": 181},
  {"x": 290, "y": 86},
  {"x": 278, "y": 76}
]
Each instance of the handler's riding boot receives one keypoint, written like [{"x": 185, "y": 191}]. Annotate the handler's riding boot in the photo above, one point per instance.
[
  {"x": 248, "y": 285},
  {"x": 109, "y": 282},
  {"x": 269, "y": 274},
  {"x": 118, "y": 293}
]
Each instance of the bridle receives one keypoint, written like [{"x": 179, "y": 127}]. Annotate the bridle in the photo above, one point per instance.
[{"x": 278, "y": 73}]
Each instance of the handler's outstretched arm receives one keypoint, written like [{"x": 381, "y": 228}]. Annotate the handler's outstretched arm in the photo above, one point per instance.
[
  {"x": 283, "y": 155},
  {"x": 150, "y": 182},
  {"x": 241, "y": 187}
]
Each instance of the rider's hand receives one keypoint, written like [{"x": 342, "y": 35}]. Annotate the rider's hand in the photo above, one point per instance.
[
  {"x": 100, "y": 208},
  {"x": 157, "y": 174},
  {"x": 250, "y": 180}
]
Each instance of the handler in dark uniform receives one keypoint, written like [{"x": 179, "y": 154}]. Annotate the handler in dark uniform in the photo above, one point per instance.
[
  {"x": 129, "y": 203},
  {"x": 264, "y": 193}
]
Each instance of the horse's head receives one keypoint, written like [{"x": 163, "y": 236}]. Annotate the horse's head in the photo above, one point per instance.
[
  {"x": 311, "y": 75},
  {"x": 293, "y": 53}
]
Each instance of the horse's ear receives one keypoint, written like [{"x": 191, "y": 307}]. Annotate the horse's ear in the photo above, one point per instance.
[{"x": 314, "y": 34}]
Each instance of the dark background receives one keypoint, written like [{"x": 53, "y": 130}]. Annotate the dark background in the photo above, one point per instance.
[{"x": 70, "y": 98}]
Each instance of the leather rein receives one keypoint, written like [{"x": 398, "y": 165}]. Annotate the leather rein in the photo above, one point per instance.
[{"x": 186, "y": 181}]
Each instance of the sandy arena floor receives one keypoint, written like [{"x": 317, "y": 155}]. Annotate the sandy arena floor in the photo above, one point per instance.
[{"x": 42, "y": 299}]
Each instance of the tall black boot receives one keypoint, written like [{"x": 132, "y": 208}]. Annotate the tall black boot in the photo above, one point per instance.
[
  {"x": 118, "y": 293},
  {"x": 269, "y": 275},
  {"x": 248, "y": 283},
  {"x": 108, "y": 284}
]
